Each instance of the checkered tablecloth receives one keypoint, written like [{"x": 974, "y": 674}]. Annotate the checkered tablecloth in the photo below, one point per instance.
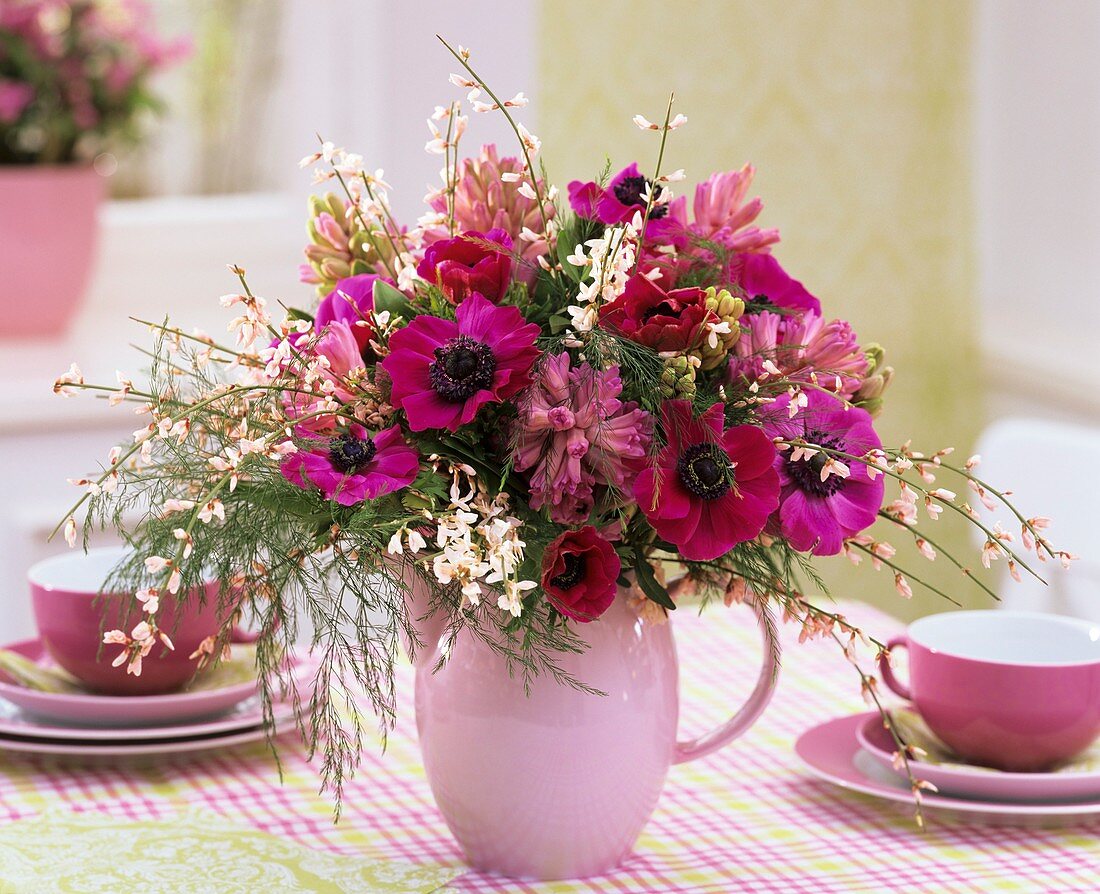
[{"x": 746, "y": 819}]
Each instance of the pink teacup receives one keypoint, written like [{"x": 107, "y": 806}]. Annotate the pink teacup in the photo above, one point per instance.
[
  {"x": 1014, "y": 690},
  {"x": 71, "y": 615}
]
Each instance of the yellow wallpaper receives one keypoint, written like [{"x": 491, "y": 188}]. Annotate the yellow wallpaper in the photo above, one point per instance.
[{"x": 856, "y": 114}]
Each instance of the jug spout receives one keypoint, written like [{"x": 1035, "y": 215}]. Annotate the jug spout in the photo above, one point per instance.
[{"x": 428, "y": 624}]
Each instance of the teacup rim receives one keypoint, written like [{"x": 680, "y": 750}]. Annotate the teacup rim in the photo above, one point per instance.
[
  {"x": 1065, "y": 620},
  {"x": 34, "y": 573}
]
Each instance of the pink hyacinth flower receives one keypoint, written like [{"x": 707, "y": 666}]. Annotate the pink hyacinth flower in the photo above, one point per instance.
[
  {"x": 577, "y": 436},
  {"x": 484, "y": 202},
  {"x": 722, "y": 215}
]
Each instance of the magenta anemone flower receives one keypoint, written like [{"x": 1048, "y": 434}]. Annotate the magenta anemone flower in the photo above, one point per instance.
[
  {"x": 766, "y": 283},
  {"x": 351, "y": 301},
  {"x": 711, "y": 489},
  {"x": 619, "y": 201},
  {"x": 580, "y": 571},
  {"x": 443, "y": 371},
  {"x": 467, "y": 264},
  {"x": 816, "y": 514},
  {"x": 353, "y": 467},
  {"x": 578, "y": 437}
]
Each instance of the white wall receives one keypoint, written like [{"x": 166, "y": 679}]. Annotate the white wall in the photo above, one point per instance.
[{"x": 1037, "y": 170}]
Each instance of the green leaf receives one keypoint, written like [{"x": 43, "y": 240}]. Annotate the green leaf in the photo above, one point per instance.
[
  {"x": 294, "y": 313},
  {"x": 558, "y": 323},
  {"x": 565, "y": 249},
  {"x": 386, "y": 297},
  {"x": 300, "y": 503},
  {"x": 649, "y": 584}
]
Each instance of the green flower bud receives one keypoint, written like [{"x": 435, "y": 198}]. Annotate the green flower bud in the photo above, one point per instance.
[
  {"x": 722, "y": 335},
  {"x": 678, "y": 378}
]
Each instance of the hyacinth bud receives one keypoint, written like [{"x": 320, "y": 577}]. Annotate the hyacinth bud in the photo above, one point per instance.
[
  {"x": 678, "y": 378},
  {"x": 339, "y": 246},
  {"x": 870, "y": 394},
  {"x": 717, "y": 344},
  {"x": 331, "y": 270}
]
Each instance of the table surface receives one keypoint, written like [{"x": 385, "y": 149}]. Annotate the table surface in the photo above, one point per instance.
[{"x": 749, "y": 818}]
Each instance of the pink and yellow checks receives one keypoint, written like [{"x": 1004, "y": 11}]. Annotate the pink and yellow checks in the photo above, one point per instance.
[{"x": 748, "y": 819}]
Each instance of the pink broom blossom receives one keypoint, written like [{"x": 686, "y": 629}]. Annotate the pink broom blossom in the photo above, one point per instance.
[{"x": 802, "y": 348}]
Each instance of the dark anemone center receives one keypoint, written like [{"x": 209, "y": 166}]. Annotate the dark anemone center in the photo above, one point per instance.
[
  {"x": 349, "y": 453},
  {"x": 758, "y": 304},
  {"x": 461, "y": 368},
  {"x": 706, "y": 471},
  {"x": 630, "y": 190},
  {"x": 806, "y": 473},
  {"x": 573, "y": 573},
  {"x": 664, "y": 309}
]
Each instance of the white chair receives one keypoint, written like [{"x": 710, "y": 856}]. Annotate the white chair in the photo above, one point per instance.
[{"x": 1052, "y": 469}]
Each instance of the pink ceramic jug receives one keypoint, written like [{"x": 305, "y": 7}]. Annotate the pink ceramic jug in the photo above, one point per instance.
[{"x": 558, "y": 783}]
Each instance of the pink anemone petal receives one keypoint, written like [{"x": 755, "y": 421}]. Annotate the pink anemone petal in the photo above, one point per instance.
[
  {"x": 469, "y": 407},
  {"x": 417, "y": 341},
  {"x": 479, "y": 318},
  {"x": 350, "y": 492},
  {"x": 515, "y": 340},
  {"x": 854, "y": 506},
  {"x": 292, "y": 470},
  {"x": 436, "y": 328},
  {"x": 716, "y": 534},
  {"x": 396, "y": 464},
  {"x": 425, "y": 409},
  {"x": 681, "y": 531},
  {"x": 809, "y": 525},
  {"x": 759, "y": 499},
  {"x": 753, "y": 450},
  {"x": 387, "y": 438}
]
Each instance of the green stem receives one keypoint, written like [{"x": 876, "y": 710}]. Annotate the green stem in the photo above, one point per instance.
[
  {"x": 903, "y": 572},
  {"x": 1039, "y": 540},
  {"x": 515, "y": 129},
  {"x": 452, "y": 173},
  {"x": 655, "y": 185},
  {"x": 943, "y": 551},
  {"x": 919, "y": 489}
]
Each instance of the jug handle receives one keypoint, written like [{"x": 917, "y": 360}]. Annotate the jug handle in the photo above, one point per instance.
[{"x": 757, "y": 702}]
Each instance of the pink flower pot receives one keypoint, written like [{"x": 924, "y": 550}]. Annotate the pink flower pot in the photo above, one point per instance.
[
  {"x": 48, "y": 230},
  {"x": 557, "y": 783}
]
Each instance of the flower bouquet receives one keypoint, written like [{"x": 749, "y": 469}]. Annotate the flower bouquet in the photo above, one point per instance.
[
  {"x": 517, "y": 436},
  {"x": 74, "y": 81}
]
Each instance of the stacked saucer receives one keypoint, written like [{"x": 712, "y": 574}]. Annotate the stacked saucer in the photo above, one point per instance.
[
  {"x": 55, "y": 715},
  {"x": 857, "y": 754}
]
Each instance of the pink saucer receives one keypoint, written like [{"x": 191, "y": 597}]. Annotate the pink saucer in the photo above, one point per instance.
[
  {"x": 831, "y": 752},
  {"x": 248, "y": 713},
  {"x": 980, "y": 783},
  {"x": 141, "y": 747},
  {"x": 117, "y": 710}
]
